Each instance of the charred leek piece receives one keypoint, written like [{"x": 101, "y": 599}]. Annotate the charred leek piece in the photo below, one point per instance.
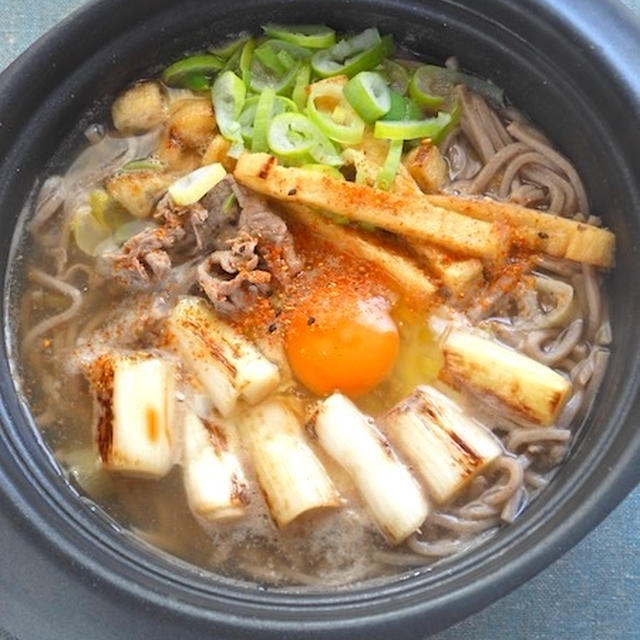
[
  {"x": 214, "y": 481},
  {"x": 227, "y": 365},
  {"x": 291, "y": 477},
  {"x": 392, "y": 494},
  {"x": 445, "y": 446},
  {"x": 531, "y": 390},
  {"x": 135, "y": 421}
]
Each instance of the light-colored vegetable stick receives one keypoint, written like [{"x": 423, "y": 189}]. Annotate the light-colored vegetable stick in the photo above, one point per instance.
[
  {"x": 369, "y": 156},
  {"x": 291, "y": 477},
  {"x": 406, "y": 215},
  {"x": 227, "y": 365},
  {"x": 558, "y": 237},
  {"x": 393, "y": 496},
  {"x": 427, "y": 167},
  {"x": 460, "y": 277},
  {"x": 135, "y": 400},
  {"x": 400, "y": 269},
  {"x": 530, "y": 389},
  {"x": 444, "y": 445},
  {"x": 214, "y": 481}
]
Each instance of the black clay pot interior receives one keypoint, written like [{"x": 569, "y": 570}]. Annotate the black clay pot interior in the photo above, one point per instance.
[{"x": 558, "y": 61}]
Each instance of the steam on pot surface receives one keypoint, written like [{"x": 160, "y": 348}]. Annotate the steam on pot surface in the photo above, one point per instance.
[{"x": 308, "y": 311}]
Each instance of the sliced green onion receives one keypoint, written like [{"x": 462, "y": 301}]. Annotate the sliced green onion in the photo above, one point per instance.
[
  {"x": 332, "y": 172},
  {"x": 286, "y": 59},
  {"x": 264, "y": 109},
  {"x": 295, "y": 140},
  {"x": 236, "y": 150},
  {"x": 261, "y": 78},
  {"x": 441, "y": 82},
  {"x": 396, "y": 75},
  {"x": 229, "y": 201},
  {"x": 87, "y": 231},
  {"x": 244, "y": 61},
  {"x": 299, "y": 93},
  {"x": 225, "y": 51},
  {"x": 368, "y": 94},
  {"x": 141, "y": 165},
  {"x": 292, "y": 136},
  {"x": 247, "y": 117},
  {"x": 411, "y": 129},
  {"x": 283, "y": 104},
  {"x": 179, "y": 73},
  {"x": 270, "y": 59},
  {"x": 313, "y": 36},
  {"x": 325, "y": 152},
  {"x": 402, "y": 108},
  {"x": 191, "y": 187},
  {"x": 233, "y": 63},
  {"x": 390, "y": 167},
  {"x": 431, "y": 83},
  {"x": 197, "y": 82},
  {"x": 350, "y": 56},
  {"x": 276, "y": 64},
  {"x": 434, "y": 87},
  {"x": 107, "y": 211},
  {"x": 99, "y": 200},
  {"x": 343, "y": 124},
  {"x": 228, "y": 95}
]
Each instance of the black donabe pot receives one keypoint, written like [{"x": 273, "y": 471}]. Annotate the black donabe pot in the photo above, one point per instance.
[{"x": 574, "y": 67}]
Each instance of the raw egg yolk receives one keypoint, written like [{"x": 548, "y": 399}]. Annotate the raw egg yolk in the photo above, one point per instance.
[{"x": 347, "y": 344}]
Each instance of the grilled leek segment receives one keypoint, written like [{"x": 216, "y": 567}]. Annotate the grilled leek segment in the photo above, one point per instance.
[
  {"x": 226, "y": 364},
  {"x": 214, "y": 481},
  {"x": 446, "y": 447},
  {"x": 531, "y": 390},
  {"x": 291, "y": 477},
  {"x": 393, "y": 496},
  {"x": 135, "y": 400}
]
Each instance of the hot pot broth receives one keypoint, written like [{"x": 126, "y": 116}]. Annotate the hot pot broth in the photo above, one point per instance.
[{"x": 189, "y": 346}]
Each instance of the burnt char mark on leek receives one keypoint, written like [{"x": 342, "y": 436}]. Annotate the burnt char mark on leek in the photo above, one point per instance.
[
  {"x": 103, "y": 375},
  {"x": 213, "y": 348}
]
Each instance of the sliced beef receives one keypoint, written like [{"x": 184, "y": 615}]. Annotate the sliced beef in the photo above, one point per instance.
[
  {"x": 184, "y": 232},
  {"x": 208, "y": 223},
  {"x": 249, "y": 247},
  {"x": 230, "y": 277},
  {"x": 240, "y": 256},
  {"x": 237, "y": 293},
  {"x": 275, "y": 243},
  {"x": 142, "y": 256}
]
